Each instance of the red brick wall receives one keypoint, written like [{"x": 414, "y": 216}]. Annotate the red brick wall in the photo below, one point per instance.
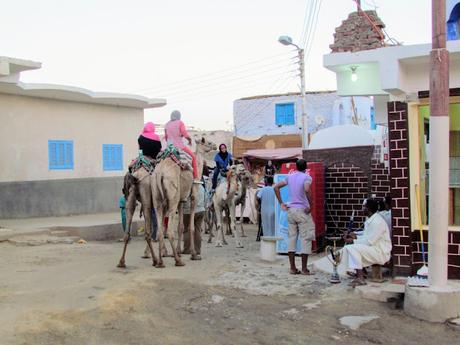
[
  {"x": 346, "y": 188},
  {"x": 399, "y": 183}
]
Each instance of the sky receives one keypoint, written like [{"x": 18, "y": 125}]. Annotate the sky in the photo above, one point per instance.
[{"x": 200, "y": 55}]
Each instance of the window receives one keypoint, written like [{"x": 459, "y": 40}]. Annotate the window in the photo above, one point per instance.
[
  {"x": 60, "y": 154},
  {"x": 285, "y": 114},
  {"x": 112, "y": 157},
  {"x": 454, "y": 166}
]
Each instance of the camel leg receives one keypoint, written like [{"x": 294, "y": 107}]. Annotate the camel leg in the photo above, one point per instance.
[
  {"x": 130, "y": 209},
  {"x": 192, "y": 224},
  {"x": 220, "y": 233},
  {"x": 243, "y": 206},
  {"x": 161, "y": 239},
  {"x": 148, "y": 232},
  {"x": 239, "y": 243},
  {"x": 211, "y": 219},
  {"x": 180, "y": 228},
  {"x": 172, "y": 216}
]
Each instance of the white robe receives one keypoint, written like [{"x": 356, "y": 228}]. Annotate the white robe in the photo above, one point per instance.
[{"x": 373, "y": 247}]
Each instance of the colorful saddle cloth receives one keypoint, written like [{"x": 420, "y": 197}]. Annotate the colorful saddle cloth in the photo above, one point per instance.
[{"x": 180, "y": 157}]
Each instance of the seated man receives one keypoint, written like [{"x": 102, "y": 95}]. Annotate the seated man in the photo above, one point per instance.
[{"x": 373, "y": 247}]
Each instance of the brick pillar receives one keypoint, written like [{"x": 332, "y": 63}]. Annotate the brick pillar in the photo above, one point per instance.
[{"x": 399, "y": 181}]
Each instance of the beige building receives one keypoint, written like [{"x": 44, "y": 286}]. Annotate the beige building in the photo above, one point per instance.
[{"x": 63, "y": 150}]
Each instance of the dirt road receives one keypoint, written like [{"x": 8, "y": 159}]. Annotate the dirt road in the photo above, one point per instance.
[{"x": 73, "y": 294}]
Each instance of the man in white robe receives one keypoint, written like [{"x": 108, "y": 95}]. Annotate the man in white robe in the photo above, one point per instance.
[{"x": 371, "y": 248}]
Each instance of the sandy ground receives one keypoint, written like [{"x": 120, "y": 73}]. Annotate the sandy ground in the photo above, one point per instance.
[{"x": 61, "y": 293}]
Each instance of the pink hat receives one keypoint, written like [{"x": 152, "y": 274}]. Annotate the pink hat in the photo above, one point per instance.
[{"x": 149, "y": 132}]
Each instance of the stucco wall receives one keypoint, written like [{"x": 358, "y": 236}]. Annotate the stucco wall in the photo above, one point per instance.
[
  {"x": 59, "y": 197},
  {"x": 28, "y": 123},
  {"x": 256, "y": 117}
]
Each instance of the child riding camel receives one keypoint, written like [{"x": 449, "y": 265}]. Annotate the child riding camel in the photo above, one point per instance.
[{"x": 175, "y": 131}]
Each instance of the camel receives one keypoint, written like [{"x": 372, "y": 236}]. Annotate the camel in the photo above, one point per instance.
[
  {"x": 246, "y": 180},
  {"x": 225, "y": 197},
  {"x": 137, "y": 187},
  {"x": 171, "y": 186}
]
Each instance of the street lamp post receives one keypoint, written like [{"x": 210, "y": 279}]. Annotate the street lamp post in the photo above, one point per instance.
[{"x": 302, "y": 120}]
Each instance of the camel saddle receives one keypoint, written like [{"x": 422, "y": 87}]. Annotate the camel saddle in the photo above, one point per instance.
[
  {"x": 181, "y": 158},
  {"x": 146, "y": 162}
]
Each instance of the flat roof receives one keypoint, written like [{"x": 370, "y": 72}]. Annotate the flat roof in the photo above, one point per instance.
[
  {"x": 10, "y": 68},
  {"x": 286, "y": 94}
]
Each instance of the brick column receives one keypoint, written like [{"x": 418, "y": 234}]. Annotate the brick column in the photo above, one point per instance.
[{"x": 399, "y": 181}]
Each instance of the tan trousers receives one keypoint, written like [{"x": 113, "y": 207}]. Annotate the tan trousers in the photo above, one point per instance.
[{"x": 300, "y": 225}]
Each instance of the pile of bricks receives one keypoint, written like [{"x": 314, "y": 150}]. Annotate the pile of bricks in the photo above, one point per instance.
[{"x": 356, "y": 33}]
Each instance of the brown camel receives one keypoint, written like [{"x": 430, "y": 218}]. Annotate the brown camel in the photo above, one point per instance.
[
  {"x": 171, "y": 186},
  {"x": 137, "y": 186}
]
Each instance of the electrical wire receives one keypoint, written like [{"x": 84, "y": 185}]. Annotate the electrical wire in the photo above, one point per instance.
[
  {"x": 310, "y": 24},
  {"x": 220, "y": 90},
  {"x": 225, "y": 81},
  {"x": 263, "y": 103},
  {"x": 315, "y": 25},
  {"x": 307, "y": 19},
  {"x": 200, "y": 77}
]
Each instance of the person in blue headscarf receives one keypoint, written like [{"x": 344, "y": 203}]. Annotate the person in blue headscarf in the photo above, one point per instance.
[{"x": 223, "y": 160}]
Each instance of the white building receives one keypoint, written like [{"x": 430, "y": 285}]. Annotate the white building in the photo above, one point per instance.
[
  {"x": 63, "y": 150},
  {"x": 277, "y": 114}
]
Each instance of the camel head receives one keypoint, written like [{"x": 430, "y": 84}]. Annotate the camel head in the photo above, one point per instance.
[{"x": 205, "y": 146}]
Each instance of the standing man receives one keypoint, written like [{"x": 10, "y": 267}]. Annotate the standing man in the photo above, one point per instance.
[
  {"x": 266, "y": 196},
  {"x": 299, "y": 215}
]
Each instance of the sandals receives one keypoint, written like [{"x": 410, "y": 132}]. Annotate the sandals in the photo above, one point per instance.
[{"x": 297, "y": 271}]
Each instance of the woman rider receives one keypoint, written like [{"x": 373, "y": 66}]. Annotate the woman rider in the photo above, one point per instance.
[
  {"x": 149, "y": 142},
  {"x": 175, "y": 131},
  {"x": 223, "y": 159}
]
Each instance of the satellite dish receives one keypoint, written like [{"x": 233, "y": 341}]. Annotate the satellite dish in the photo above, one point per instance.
[{"x": 319, "y": 119}]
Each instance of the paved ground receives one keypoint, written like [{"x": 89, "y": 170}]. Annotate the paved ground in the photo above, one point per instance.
[{"x": 61, "y": 293}]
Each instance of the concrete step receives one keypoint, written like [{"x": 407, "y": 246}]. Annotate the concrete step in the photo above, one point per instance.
[
  {"x": 382, "y": 292},
  {"x": 91, "y": 227}
]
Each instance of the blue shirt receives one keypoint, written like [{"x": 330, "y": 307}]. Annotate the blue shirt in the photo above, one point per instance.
[{"x": 221, "y": 163}]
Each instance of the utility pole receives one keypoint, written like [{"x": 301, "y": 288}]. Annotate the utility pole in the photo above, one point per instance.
[
  {"x": 303, "y": 123},
  {"x": 439, "y": 148}
]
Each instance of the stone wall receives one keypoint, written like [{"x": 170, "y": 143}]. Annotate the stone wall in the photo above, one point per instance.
[{"x": 356, "y": 33}]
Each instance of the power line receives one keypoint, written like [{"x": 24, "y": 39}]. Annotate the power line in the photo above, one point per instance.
[
  {"x": 193, "y": 88},
  {"x": 306, "y": 20},
  {"x": 224, "y": 79},
  {"x": 220, "y": 90},
  {"x": 315, "y": 25},
  {"x": 200, "y": 77},
  {"x": 310, "y": 24}
]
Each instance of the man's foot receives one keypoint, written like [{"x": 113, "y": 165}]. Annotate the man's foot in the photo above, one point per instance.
[
  {"x": 294, "y": 271},
  {"x": 307, "y": 273}
]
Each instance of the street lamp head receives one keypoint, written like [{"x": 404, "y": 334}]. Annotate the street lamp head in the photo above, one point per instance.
[{"x": 286, "y": 40}]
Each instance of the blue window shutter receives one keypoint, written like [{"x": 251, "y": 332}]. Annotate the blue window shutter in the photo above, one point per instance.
[
  {"x": 60, "y": 154},
  {"x": 280, "y": 114},
  {"x": 285, "y": 114},
  {"x": 112, "y": 157},
  {"x": 290, "y": 114}
]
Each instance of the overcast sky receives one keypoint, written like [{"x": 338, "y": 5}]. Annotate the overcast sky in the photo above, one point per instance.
[{"x": 198, "y": 54}]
